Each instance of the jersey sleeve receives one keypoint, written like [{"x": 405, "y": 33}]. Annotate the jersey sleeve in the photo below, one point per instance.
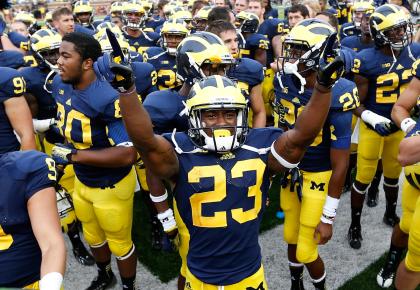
[
  {"x": 360, "y": 64},
  {"x": 12, "y": 84},
  {"x": 340, "y": 129},
  {"x": 117, "y": 135},
  {"x": 40, "y": 169}
]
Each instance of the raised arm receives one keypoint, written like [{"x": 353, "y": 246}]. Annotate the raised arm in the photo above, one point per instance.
[{"x": 156, "y": 152}]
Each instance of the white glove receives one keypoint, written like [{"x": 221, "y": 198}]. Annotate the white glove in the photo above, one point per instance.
[
  {"x": 373, "y": 119},
  {"x": 40, "y": 126}
]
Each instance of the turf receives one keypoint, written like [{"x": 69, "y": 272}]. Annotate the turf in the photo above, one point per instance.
[
  {"x": 367, "y": 279},
  {"x": 166, "y": 265}
]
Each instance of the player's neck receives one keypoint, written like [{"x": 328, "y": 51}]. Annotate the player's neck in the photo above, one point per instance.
[
  {"x": 133, "y": 33},
  {"x": 365, "y": 38},
  {"x": 86, "y": 79},
  {"x": 387, "y": 50}
]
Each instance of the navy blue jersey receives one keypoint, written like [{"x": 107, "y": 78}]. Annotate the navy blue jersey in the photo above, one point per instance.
[
  {"x": 248, "y": 73},
  {"x": 355, "y": 43},
  {"x": 12, "y": 85},
  {"x": 343, "y": 13},
  {"x": 141, "y": 43},
  {"x": 35, "y": 80},
  {"x": 167, "y": 111},
  {"x": 19, "y": 40},
  {"x": 336, "y": 132},
  {"x": 270, "y": 28},
  {"x": 386, "y": 79},
  {"x": 91, "y": 119},
  {"x": 253, "y": 42},
  {"x": 154, "y": 22},
  {"x": 145, "y": 78},
  {"x": 165, "y": 66},
  {"x": 80, "y": 28},
  {"x": 221, "y": 199},
  {"x": 22, "y": 174},
  {"x": 416, "y": 69},
  {"x": 12, "y": 59},
  {"x": 271, "y": 14}
]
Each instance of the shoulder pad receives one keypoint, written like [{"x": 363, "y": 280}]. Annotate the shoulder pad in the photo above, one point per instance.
[{"x": 345, "y": 96}]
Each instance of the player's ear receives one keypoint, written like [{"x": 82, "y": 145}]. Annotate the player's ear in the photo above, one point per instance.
[{"x": 87, "y": 64}]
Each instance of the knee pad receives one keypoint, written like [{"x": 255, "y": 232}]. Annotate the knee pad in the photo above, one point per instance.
[
  {"x": 307, "y": 249},
  {"x": 128, "y": 255},
  {"x": 120, "y": 248},
  {"x": 94, "y": 239},
  {"x": 290, "y": 233},
  {"x": 412, "y": 260}
]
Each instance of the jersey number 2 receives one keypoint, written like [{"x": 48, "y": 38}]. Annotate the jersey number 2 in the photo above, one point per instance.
[{"x": 219, "y": 219}]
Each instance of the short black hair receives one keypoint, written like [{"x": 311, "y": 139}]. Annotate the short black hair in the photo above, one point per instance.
[
  {"x": 86, "y": 45},
  {"x": 218, "y": 13},
  {"x": 219, "y": 26},
  {"x": 299, "y": 8}
]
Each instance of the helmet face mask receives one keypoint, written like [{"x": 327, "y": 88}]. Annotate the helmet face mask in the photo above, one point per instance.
[
  {"x": 50, "y": 57},
  {"x": 171, "y": 41},
  {"x": 45, "y": 44},
  {"x": 218, "y": 115},
  {"x": 389, "y": 26},
  {"x": 247, "y": 22},
  {"x": 302, "y": 49},
  {"x": 134, "y": 17},
  {"x": 199, "y": 49}
]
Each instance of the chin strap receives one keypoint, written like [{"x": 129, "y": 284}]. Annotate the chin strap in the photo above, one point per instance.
[
  {"x": 291, "y": 68},
  {"x": 50, "y": 75}
]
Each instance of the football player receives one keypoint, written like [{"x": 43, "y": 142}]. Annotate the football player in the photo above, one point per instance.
[
  {"x": 83, "y": 14},
  {"x": 358, "y": 9},
  {"x": 33, "y": 252},
  {"x": 97, "y": 145},
  {"x": 163, "y": 58},
  {"x": 63, "y": 22},
  {"x": 45, "y": 44},
  {"x": 16, "y": 130},
  {"x": 200, "y": 54},
  {"x": 364, "y": 40},
  {"x": 381, "y": 74},
  {"x": 200, "y": 19},
  {"x": 247, "y": 72},
  {"x": 134, "y": 18},
  {"x": 311, "y": 193},
  {"x": 251, "y": 44},
  {"x": 220, "y": 169},
  {"x": 406, "y": 232}
]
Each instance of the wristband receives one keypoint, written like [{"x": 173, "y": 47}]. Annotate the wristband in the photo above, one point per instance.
[
  {"x": 51, "y": 281},
  {"x": 281, "y": 160},
  {"x": 159, "y": 198},
  {"x": 167, "y": 220},
  {"x": 124, "y": 94},
  {"x": 407, "y": 124},
  {"x": 327, "y": 220},
  {"x": 330, "y": 206}
]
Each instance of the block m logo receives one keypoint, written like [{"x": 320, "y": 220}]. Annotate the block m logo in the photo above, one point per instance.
[{"x": 320, "y": 187}]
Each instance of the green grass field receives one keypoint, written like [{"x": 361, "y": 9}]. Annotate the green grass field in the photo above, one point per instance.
[{"x": 166, "y": 265}]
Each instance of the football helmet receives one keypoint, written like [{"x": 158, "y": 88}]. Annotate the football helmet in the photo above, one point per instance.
[
  {"x": 389, "y": 25},
  {"x": 360, "y": 8},
  {"x": 134, "y": 16},
  {"x": 197, "y": 50},
  {"x": 26, "y": 18},
  {"x": 116, "y": 9},
  {"x": 247, "y": 22},
  {"x": 65, "y": 208},
  {"x": 82, "y": 8},
  {"x": 183, "y": 15},
  {"x": 45, "y": 44},
  {"x": 101, "y": 28},
  {"x": 217, "y": 93},
  {"x": 302, "y": 48},
  {"x": 200, "y": 19},
  {"x": 48, "y": 20},
  {"x": 148, "y": 7},
  {"x": 107, "y": 47},
  {"x": 173, "y": 27}
]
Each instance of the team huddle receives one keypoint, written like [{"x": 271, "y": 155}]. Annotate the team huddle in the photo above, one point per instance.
[{"x": 199, "y": 105}]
